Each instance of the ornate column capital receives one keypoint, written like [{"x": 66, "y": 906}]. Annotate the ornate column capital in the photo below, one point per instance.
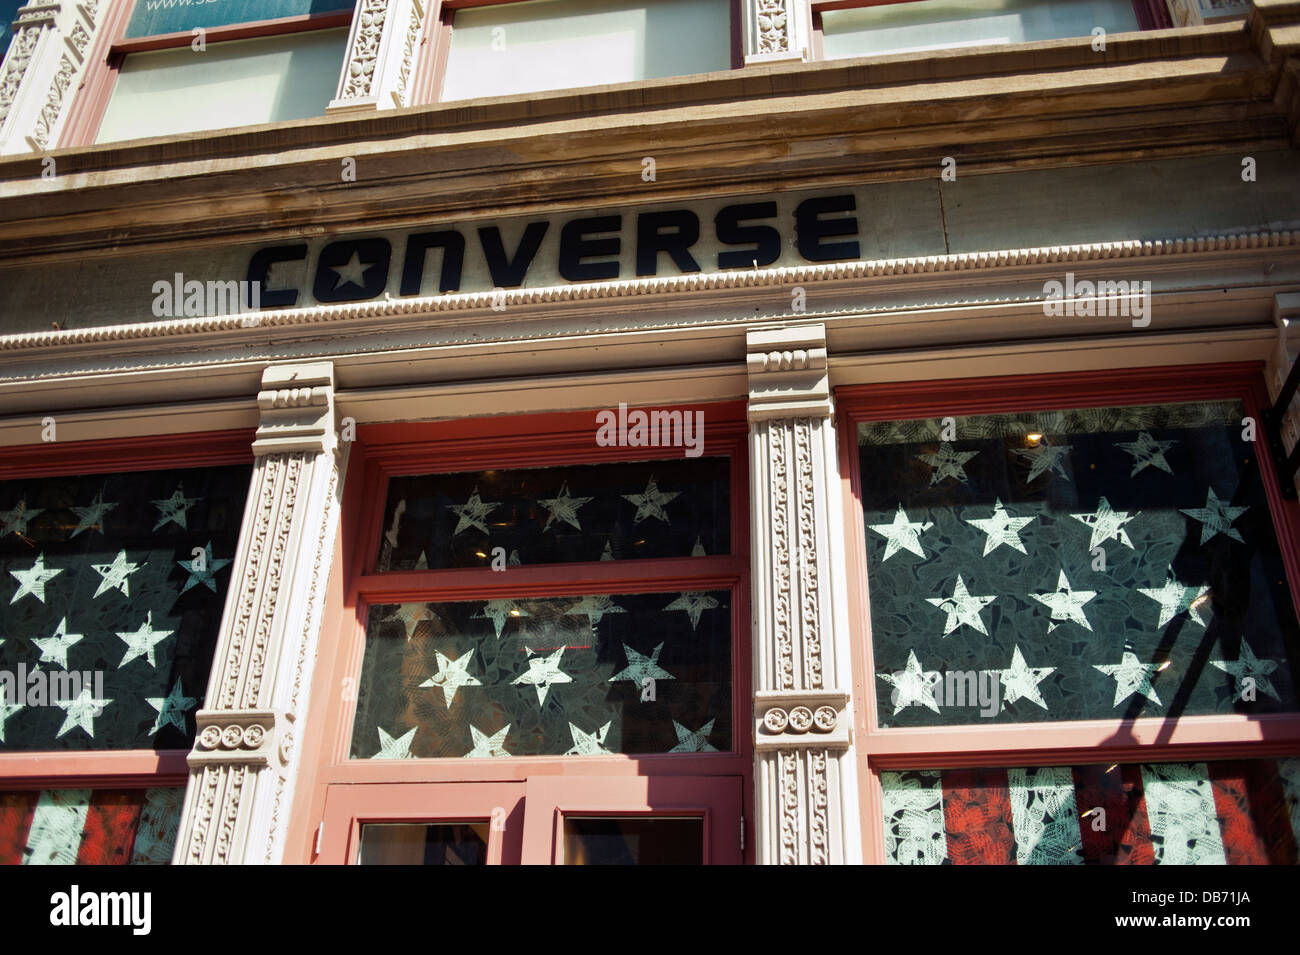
[
  {"x": 777, "y": 31},
  {"x": 380, "y": 60},
  {"x": 297, "y": 409},
  {"x": 788, "y": 372}
]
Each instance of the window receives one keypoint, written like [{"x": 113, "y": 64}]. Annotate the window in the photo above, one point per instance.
[
  {"x": 176, "y": 68},
  {"x": 909, "y": 26},
  {"x": 1060, "y": 573},
  {"x": 8, "y": 13},
  {"x": 113, "y": 576},
  {"x": 528, "y": 598},
  {"x": 506, "y": 48}
]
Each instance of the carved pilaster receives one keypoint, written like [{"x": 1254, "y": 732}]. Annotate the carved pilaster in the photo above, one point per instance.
[
  {"x": 244, "y": 761},
  {"x": 44, "y": 63},
  {"x": 378, "y": 68},
  {"x": 1193, "y": 13},
  {"x": 804, "y": 772},
  {"x": 776, "y": 30},
  {"x": 1286, "y": 316}
]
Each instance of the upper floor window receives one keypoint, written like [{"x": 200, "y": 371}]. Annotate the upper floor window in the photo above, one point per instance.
[
  {"x": 8, "y": 13},
  {"x": 555, "y": 44},
  {"x": 909, "y": 26}
]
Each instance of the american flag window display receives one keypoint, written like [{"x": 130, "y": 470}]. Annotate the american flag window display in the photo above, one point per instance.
[
  {"x": 112, "y": 588},
  {"x": 89, "y": 826},
  {"x": 1237, "y": 812},
  {"x": 1079, "y": 564}
]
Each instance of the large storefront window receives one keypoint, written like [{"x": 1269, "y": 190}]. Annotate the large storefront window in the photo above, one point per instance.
[
  {"x": 543, "y": 603},
  {"x": 1054, "y": 575},
  {"x": 114, "y": 580}
]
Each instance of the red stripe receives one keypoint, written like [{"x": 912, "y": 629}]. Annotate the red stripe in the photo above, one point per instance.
[
  {"x": 111, "y": 823},
  {"x": 16, "y": 811},
  {"x": 1123, "y": 835},
  {"x": 977, "y": 815},
  {"x": 1252, "y": 812}
]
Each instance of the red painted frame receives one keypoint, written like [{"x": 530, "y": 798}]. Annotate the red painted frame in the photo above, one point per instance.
[
  {"x": 435, "y": 69},
  {"x": 1151, "y": 15},
  {"x": 111, "y": 49},
  {"x": 1043, "y": 744},
  {"x": 103, "y": 769},
  {"x": 386, "y": 450}
]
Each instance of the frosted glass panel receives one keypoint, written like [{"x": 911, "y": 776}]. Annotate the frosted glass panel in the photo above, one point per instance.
[
  {"x": 235, "y": 83},
  {"x": 556, "y": 44},
  {"x": 941, "y": 24}
]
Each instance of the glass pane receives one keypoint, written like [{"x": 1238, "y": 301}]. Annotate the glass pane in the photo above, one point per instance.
[
  {"x": 1241, "y": 812},
  {"x": 556, "y": 44},
  {"x": 89, "y": 827},
  {"x": 232, "y": 83},
  {"x": 112, "y": 588},
  {"x": 938, "y": 24},
  {"x": 633, "y": 840},
  {"x": 157, "y": 17},
  {"x": 629, "y": 673},
  {"x": 421, "y": 843},
  {"x": 1105, "y": 562},
  {"x": 672, "y": 508},
  {"x": 8, "y": 13}
]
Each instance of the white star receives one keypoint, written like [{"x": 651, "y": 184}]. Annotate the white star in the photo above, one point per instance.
[
  {"x": 1001, "y": 529},
  {"x": 1021, "y": 681},
  {"x": 640, "y": 667},
  {"x": 15, "y": 521},
  {"x": 1066, "y": 603},
  {"x": 693, "y": 741},
  {"x": 915, "y": 687},
  {"x": 947, "y": 463},
  {"x": 141, "y": 643},
  {"x": 395, "y": 747},
  {"x": 1216, "y": 517},
  {"x": 1249, "y": 665},
  {"x": 92, "y": 517},
  {"x": 33, "y": 580},
  {"x": 171, "y": 708},
  {"x": 7, "y": 710},
  {"x": 1107, "y": 523},
  {"x": 352, "y": 273},
  {"x": 594, "y": 608},
  {"x": 81, "y": 712},
  {"x": 497, "y": 611},
  {"x": 694, "y": 603},
  {"x": 1174, "y": 598},
  {"x": 588, "y": 744},
  {"x": 411, "y": 615},
  {"x": 1045, "y": 457},
  {"x": 205, "y": 576},
  {"x": 174, "y": 508},
  {"x": 902, "y": 534},
  {"x": 542, "y": 672},
  {"x": 472, "y": 512},
  {"x": 116, "y": 575},
  {"x": 1147, "y": 451},
  {"x": 651, "y": 503},
  {"x": 55, "y": 649},
  {"x": 485, "y": 746},
  {"x": 698, "y": 549},
  {"x": 1131, "y": 676},
  {"x": 563, "y": 508},
  {"x": 452, "y": 675},
  {"x": 962, "y": 608},
  {"x": 608, "y": 552}
]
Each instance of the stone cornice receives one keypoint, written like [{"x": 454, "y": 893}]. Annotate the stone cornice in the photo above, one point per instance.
[{"x": 760, "y": 129}]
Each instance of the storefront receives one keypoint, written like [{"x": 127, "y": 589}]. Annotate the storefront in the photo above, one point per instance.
[{"x": 813, "y": 446}]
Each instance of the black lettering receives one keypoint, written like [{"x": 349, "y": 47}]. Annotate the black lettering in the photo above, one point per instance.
[
  {"x": 811, "y": 229},
  {"x": 651, "y": 240},
  {"x": 260, "y": 265},
  {"x": 452, "y": 244},
  {"x": 766, "y": 240},
  {"x": 574, "y": 247},
  {"x": 352, "y": 270},
  {"x": 511, "y": 274}
]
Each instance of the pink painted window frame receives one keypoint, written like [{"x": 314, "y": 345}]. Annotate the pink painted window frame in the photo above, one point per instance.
[{"x": 1187, "y": 738}]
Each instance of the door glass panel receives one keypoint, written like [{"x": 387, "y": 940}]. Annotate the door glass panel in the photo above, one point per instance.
[
  {"x": 633, "y": 840},
  {"x": 424, "y": 843}
]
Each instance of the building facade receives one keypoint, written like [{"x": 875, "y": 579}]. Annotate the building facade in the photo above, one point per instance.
[{"x": 657, "y": 431}]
